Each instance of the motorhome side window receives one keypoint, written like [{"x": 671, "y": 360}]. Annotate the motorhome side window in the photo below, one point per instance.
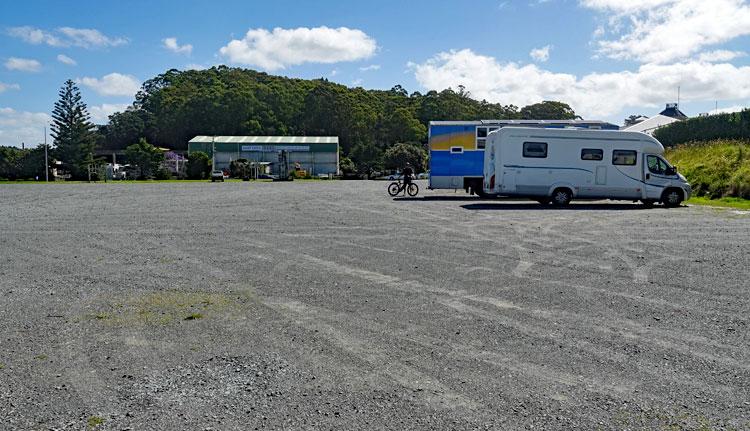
[
  {"x": 481, "y": 138},
  {"x": 535, "y": 149},
  {"x": 624, "y": 157},
  {"x": 592, "y": 154},
  {"x": 656, "y": 165}
]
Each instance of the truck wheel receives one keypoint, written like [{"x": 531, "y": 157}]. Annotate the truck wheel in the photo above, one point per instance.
[
  {"x": 561, "y": 197},
  {"x": 672, "y": 198}
]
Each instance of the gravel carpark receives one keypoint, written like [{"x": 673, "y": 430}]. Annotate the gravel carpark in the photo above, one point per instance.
[{"x": 329, "y": 305}]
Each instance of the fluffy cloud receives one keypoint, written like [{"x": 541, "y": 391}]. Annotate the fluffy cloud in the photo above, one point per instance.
[
  {"x": 23, "y": 64},
  {"x": 277, "y": 49},
  {"x": 27, "y": 127},
  {"x": 66, "y": 60},
  {"x": 171, "y": 44},
  {"x": 88, "y": 38},
  {"x": 540, "y": 54},
  {"x": 114, "y": 84},
  {"x": 4, "y": 86},
  {"x": 100, "y": 113},
  {"x": 662, "y": 31},
  {"x": 720, "y": 55},
  {"x": 593, "y": 95}
]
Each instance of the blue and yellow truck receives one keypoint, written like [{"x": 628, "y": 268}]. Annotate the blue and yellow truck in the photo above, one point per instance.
[{"x": 457, "y": 148}]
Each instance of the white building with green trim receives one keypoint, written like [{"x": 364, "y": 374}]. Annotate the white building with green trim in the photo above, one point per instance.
[{"x": 315, "y": 154}]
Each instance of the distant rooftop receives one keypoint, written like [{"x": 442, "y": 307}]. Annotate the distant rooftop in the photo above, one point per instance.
[
  {"x": 673, "y": 110},
  {"x": 266, "y": 139}
]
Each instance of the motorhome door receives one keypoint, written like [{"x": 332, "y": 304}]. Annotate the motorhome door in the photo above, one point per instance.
[{"x": 657, "y": 175}]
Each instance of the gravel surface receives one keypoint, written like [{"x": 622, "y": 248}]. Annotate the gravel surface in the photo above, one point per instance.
[{"x": 329, "y": 305}]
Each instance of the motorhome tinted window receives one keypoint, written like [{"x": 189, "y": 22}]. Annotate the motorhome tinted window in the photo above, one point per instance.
[
  {"x": 623, "y": 157},
  {"x": 592, "y": 154},
  {"x": 481, "y": 143},
  {"x": 535, "y": 149},
  {"x": 457, "y": 150},
  {"x": 481, "y": 132}
]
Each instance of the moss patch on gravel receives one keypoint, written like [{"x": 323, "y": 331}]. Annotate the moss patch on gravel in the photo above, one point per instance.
[
  {"x": 94, "y": 421},
  {"x": 168, "y": 307}
]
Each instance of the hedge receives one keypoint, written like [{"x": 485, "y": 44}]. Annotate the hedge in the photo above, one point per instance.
[{"x": 722, "y": 126}]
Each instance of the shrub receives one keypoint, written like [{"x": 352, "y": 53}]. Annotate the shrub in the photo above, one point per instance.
[
  {"x": 163, "y": 174},
  {"x": 198, "y": 166}
]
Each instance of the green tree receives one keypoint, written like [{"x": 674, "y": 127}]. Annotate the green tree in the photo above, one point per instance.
[
  {"x": 72, "y": 130},
  {"x": 10, "y": 159},
  {"x": 397, "y": 156},
  {"x": 198, "y": 165},
  {"x": 31, "y": 165},
  {"x": 548, "y": 110},
  {"x": 147, "y": 157}
]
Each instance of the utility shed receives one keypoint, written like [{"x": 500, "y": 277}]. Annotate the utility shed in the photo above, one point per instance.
[{"x": 314, "y": 154}]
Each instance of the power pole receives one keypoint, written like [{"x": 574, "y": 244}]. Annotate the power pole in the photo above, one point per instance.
[
  {"x": 213, "y": 153},
  {"x": 46, "y": 161}
]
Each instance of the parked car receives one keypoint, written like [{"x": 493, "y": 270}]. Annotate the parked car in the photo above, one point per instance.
[
  {"x": 217, "y": 175},
  {"x": 423, "y": 176}
]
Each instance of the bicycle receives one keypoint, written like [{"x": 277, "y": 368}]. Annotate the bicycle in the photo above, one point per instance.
[{"x": 397, "y": 187}]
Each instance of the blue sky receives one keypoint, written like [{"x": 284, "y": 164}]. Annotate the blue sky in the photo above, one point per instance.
[{"x": 607, "y": 58}]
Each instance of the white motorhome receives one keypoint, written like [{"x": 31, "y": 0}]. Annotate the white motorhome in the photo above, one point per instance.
[{"x": 558, "y": 165}]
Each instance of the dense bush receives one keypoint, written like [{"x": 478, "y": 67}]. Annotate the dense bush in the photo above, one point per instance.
[
  {"x": 16, "y": 163},
  {"x": 715, "y": 169},
  {"x": 163, "y": 174},
  {"x": 198, "y": 165},
  {"x": 722, "y": 126}
]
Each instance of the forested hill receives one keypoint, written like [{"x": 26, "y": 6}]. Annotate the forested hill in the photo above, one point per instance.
[{"x": 175, "y": 106}]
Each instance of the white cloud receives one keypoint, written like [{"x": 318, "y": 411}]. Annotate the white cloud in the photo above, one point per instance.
[
  {"x": 277, "y": 49},
  {"x": 661, "y": 31},
  {"x": 66, "y": 60},
  {"x": 114, "y": 84},
  {"x": 4, "y": 86},
  {"x": 729, "y": 109},
  {"x": 23, "y": 64},
  {"x": 195, "y": 66},
  {"x": 34, "y": 36},
  {"x": 333, "y": 73},
  {"x": 370, "y": 67},
  {"x": 171, "y": 44},
  {"x": 540, "y": 54},
  {"x": 18, "y": 126},
  {"x": 88, "y": 38},
  {"x": 357, "y": 82},
  {"x": 100, "y": 113},
  {"x": 720, "y": 55},
  {"x": 595, "y": 95}
]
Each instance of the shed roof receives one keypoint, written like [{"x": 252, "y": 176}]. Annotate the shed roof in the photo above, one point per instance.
[{"x": 266, "y": 139}]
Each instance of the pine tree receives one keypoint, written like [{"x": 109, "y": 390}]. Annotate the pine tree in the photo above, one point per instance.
[{"x": 72, "y": 131}]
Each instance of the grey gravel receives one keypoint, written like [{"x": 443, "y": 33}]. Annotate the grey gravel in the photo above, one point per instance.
[{"x": 329, "y": 305}]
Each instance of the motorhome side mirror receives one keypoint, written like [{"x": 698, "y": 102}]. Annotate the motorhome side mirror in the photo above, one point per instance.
[{"x": 671, "y": 170}]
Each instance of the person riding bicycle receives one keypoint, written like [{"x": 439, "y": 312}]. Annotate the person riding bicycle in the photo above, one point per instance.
[{"x": 408, "y": 173}]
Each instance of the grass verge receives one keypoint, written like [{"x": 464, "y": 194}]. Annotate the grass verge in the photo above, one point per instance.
[{"x": 738, "y": 203}]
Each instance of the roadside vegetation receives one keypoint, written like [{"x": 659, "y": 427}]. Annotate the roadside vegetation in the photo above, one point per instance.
[
  {"x": 735, "y": 125},
  {"x": 716, "y": 169}
]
